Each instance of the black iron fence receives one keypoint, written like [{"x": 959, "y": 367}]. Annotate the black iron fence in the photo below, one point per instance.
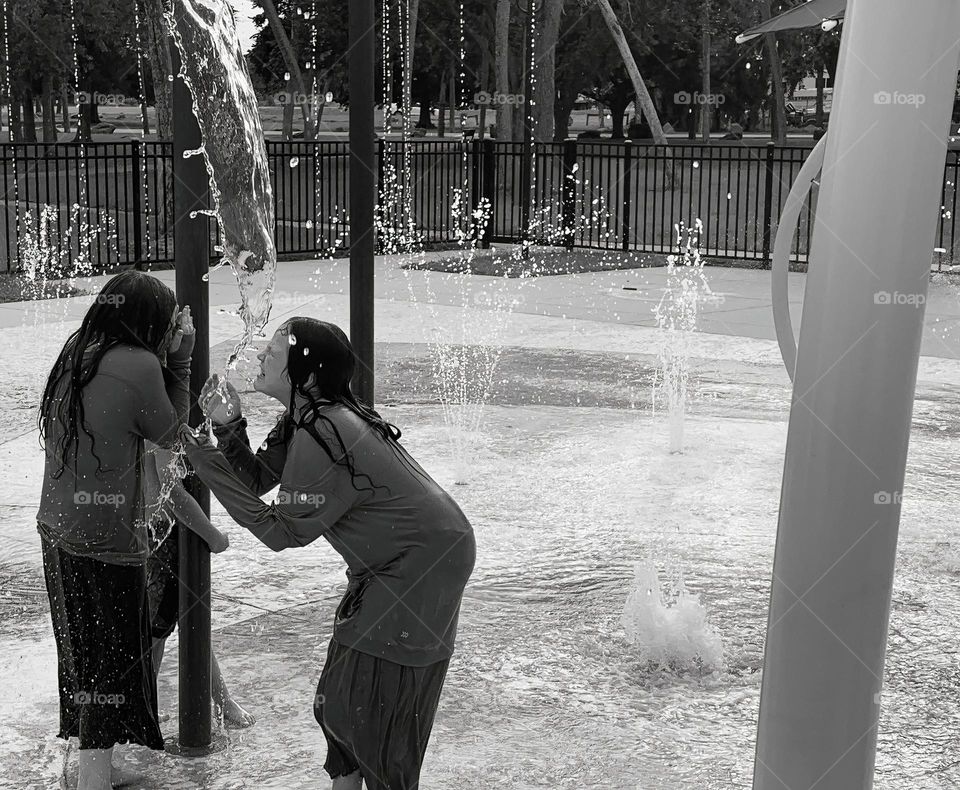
[{"x": 111, "y": 203}]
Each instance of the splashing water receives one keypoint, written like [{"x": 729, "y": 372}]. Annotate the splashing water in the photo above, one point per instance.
[
  {"x": 677, "y": 313},
  {"x": 225, "y": 105},
  {"x": 671, "y": 634}
]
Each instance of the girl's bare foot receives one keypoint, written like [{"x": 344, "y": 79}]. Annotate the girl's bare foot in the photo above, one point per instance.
[{"x": 235, "y": 717}]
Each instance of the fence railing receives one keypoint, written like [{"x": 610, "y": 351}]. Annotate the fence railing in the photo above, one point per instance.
[{"x": 112, "y": 202}]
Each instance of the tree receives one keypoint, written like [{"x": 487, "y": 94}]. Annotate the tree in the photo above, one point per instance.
[
  {"x": 502, "y": 49},
  {"x": 639, "y": 87},
  {"x": 296, "y": 80},
  {"x": 545, "y": 90},
  {"x": 778, "y": 126}
]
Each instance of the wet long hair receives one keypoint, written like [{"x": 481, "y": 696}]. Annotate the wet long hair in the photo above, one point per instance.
[
  {"x": 321, "y": 349},
  {"x": 132, "y": 309}
]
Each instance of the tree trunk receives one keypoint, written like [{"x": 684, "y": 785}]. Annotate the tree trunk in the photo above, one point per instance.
[
  {"x": 644, "y": 102},
  {"x": 411, "y": 44},
  {"x": 546, "y": 90},
  {"x": 618, "y": 105},
  {"x": 778, "y": 120},
  {"x": 288, "y": 111},
  {"x": 501, "y": 49},
  {"x": 16, "y": 125},
  {"x": 295, "y": 83},
  {"x": 452, "y": 93},
  {"x": 29, "y": 119},
  {"x": 157, "y": 45},
  {"x": 485, "y": 87},
  {"x": 705, "y": 73},
  {"x": 49, "y": 112},
  {"x": 144, "y": 118},
  {"x": 424, "y": 121},
  {"x": 821, "y": 85},
  {"x": 442, "y": 108},
  {"x": 65, "y": 107}
]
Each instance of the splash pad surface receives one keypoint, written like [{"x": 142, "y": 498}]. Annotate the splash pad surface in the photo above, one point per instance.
[{"x": 573, "y": 484}]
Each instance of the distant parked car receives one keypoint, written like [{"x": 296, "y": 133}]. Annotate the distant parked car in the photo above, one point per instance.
[{"x": 804, "y": 117}]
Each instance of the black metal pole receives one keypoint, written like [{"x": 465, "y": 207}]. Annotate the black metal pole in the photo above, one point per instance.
[
  {"x": 192, "y": 258},
  {"x": 362, "y": 48},
  {"x": 525, "y": 180}
]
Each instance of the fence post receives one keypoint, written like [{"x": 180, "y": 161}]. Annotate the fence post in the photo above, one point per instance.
[
  {"x": 489, "y": 176},
  {"x": 569, "y": 199},
  {"x": 768, "y": 203},
  {"x": 627, "y": 192},
  {"x": 137, "y": 222}
]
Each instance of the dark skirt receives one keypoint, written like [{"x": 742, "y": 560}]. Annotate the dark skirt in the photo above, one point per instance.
[
  {"x": 108, "y": 691},
  {"x": 163, "y": 585},
  {"x": 376, "y": 716}
]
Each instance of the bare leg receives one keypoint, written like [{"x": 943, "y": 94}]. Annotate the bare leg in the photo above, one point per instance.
[
  {"x": 234, "y": 716},
  {"x": 95, "y": 769},
  {"x": 352, "y": 781}
]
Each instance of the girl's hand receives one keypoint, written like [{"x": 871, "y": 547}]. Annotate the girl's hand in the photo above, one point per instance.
[
  {"x": 221, "y": 543},
  {"x": 219, "y": 400},
  {"x": 184, "y": 335},
  {"x": 191, "y": 439}
]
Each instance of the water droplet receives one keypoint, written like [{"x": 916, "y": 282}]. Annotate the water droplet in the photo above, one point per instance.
[
  {"x": 206, "y": 277},
  {"x": 696, "y": 164},
  {"x": 286, "y": 76},
  {"x": 264, "y": 446},
  {"x": 292, "y": 340},
  {"x": 306, "y": 351},
  {"x": 169, "y": 78},
  {"x": 294, "y": 161},
  {"x": 729, "y": 196},
  {"x": 309, "y": 223}
]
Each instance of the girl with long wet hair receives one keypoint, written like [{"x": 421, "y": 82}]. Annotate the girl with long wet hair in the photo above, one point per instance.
[
  {"x": 120, "y": 379},
  {"x": 344, "y": 475}
]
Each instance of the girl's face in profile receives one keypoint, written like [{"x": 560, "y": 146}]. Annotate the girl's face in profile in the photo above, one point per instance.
[{"x": 273, "y": 380}]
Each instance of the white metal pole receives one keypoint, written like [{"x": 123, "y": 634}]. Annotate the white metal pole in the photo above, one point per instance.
[{"x": 853, "y": 394}]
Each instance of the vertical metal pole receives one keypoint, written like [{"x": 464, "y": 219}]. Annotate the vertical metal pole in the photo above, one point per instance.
[
  {"x": 362, "y": 191},
  {"x": 853, "y": 396},
  {"x": 767, "y": 202},
  {"x": 137, "y": 220},
  {"x": 192, "y": 258},
  {"x": 527, "y": 158}
]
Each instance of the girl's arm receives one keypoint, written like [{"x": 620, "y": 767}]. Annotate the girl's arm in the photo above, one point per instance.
[
  {"x": 314, "y": 494},
  {"x": 260, "y": 471},
  {"x": 188, "y": 512},
  {"x": 178, "y": 504},
  {"x": 162, "y": 399}
]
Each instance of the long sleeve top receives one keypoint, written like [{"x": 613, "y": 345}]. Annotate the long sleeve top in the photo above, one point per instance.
[
  {"x": 409, "y": 548},
  {"x": 131, "y": 398}
]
